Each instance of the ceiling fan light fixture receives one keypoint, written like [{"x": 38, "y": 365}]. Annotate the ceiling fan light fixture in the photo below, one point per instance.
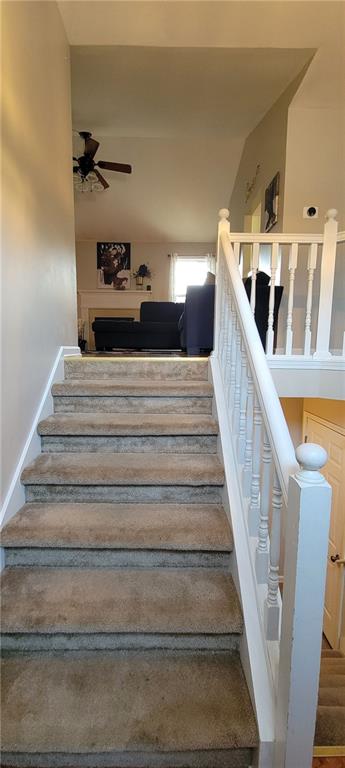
[
  {"x": 86, "y": 175},
  {"x": 89, "y": 183}
]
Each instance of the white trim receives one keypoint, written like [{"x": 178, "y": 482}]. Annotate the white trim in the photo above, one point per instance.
[
  {"x": 15, "y": 497},
  {"x": 324, "y": 422},
  {"x": 281, "y": 237},
  {"x": 295, "y": 362},
  {"x": 254, "y": 655}
]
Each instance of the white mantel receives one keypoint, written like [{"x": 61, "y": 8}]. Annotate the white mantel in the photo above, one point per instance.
[{"x": 108, "y": 298}]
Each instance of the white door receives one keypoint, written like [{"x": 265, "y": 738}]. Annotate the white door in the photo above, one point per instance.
[{"x": 324, "y": 433}]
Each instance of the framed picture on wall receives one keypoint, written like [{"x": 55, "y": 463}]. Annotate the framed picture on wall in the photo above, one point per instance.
[
  {"x": 271, "y": 202},
  {"x": 114, "y": 265}
]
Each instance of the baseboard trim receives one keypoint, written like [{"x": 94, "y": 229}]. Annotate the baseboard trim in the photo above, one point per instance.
[{"x": 15, "y": 497}]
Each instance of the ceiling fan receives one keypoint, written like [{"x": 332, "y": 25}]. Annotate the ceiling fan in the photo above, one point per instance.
[{"x": 87, "y": 177}]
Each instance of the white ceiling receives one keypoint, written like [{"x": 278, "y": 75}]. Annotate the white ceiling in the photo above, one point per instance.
[
  {"x": 174, "y": 88},
  {"x": 145, "y": 91}
]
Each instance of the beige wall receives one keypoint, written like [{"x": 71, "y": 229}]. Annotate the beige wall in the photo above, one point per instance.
[
  {"x": 39, "y": 303},
  {"x": 293, "y": 412},
  {"x": 330, "y": 410},
  {"x": 154, "y": 254},
  {"x": 265, "y": 146},
  {"x": 294, "y": 407}
]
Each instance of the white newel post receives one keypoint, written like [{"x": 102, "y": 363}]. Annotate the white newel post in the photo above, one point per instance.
[
  {"x": 223, "y": 226},
  {"x": 326, "y": 285},
  {"x": 306, "y": 536}
]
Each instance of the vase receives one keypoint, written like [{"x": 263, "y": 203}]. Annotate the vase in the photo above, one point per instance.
[{"x": 139, "y": 280}]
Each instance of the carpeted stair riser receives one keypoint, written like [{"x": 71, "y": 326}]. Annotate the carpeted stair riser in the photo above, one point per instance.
[
  {"x": 132, "y": 396},
  {"x": 153, "y": 709},
  {"x": 147, "y": 494},
  {"x": 231, "y": 758},
  {"x": 130, "y": 433},
  {"x": 121, "y": 404},
  {"x": 116, "y": 558},
  {"x": 145, "y": 443},
  {"x": 156, "y": 370}
]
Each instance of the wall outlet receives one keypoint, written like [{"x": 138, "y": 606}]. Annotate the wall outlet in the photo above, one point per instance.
[{"x": 311, "y": 212}]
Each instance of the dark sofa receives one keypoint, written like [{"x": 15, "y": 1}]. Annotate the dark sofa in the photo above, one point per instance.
[
  {"x": 197, "y": 321},
  {"x": 157, "y": 328},
  {"x": 262, "y": 298}
]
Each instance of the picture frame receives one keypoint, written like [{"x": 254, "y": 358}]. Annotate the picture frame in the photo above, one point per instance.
[
  {"x": 271, "y": 202},
  {"x": 114, "y": 265}
]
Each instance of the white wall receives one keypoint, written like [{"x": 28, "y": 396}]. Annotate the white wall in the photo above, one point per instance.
[
  {"x": 154, "y": 254},
  {"x": 265, "y": 146},
  {"x": 39, "y": 290}
]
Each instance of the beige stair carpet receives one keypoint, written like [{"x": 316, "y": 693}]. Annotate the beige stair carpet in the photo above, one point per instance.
[{"x": 330, "y": 721}]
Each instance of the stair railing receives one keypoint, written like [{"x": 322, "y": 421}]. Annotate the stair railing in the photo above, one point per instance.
[
  {"x": 280, "y": 509},
  {"x": 306, "y": 265}
]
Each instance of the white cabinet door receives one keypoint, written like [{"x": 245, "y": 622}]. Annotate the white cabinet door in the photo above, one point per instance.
[{"x": 322, "y": 432}]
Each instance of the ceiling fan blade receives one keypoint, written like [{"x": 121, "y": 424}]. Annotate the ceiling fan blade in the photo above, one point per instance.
[
  {"x": 120, "y": 167},
  {"x": 101, "y": 179},
  {"x": 91, "y": 146}
]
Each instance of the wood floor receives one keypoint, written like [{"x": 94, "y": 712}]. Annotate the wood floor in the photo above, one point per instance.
[{"x": 329, "y": 762}]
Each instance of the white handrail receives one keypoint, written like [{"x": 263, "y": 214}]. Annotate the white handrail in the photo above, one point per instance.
[
  {"x": 280, "y": 237},
  {"x": 275, "y": 423}
]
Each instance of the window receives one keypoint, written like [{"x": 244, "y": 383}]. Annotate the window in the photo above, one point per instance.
[{"x": 188, "y": 270}]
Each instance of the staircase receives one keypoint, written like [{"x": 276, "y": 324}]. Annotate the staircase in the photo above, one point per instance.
[
  {"x": 330, "y": 721},
  {"x": 121, "y": 622}
]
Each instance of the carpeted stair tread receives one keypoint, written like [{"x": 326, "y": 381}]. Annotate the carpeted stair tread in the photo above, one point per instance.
[
  {"x": 140, "y": 526},
  {"x": 157, "y": 368},
  {"x": 127, "y": 387},
  {"x": 133, "y": 469},
  {"x": 128, "y": 424},
  {"x": 332, "y": 697},
  {"x": 158, "y": 600},
  {"x": 330, "y": 726},
  {"x": 142, "y": 703}
]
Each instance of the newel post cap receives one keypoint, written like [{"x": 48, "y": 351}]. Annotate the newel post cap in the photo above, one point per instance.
[
  {"x": 311, "y": 458},
  {"x": 331, "y": 214},
  {"x": 224, "y": 223}
]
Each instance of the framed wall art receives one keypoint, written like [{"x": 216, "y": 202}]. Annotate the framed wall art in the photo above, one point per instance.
[
  {"x": 271, "y": 202},
  {"x": 114, "y": 265}
]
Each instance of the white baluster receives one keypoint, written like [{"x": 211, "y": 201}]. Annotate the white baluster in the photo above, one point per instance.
[
  {"x": 254, "y": 505},
  {"x": 247, "y": 470},
  {"x": 225, "y": 328},
  {"x": 236, "y": 413},
  {"x": 270, "y": 331},
  {"x": 312, "y": 256},
  {"x": 292, "y": 269},
  {"x": 261, "y": 555},
  {"x": 233, "y": 357},
  {"x": 236, "y": 249},
  {"x": 272, "y": 605},
  {"x": 328, "y": 259},
  {"x": 241, "y": 441},
  {"x": 254, "y": 268},
  {"x": 227, "y": 359}
]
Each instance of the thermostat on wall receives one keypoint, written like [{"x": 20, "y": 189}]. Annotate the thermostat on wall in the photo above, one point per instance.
[{"x": 311, "y": 212}]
